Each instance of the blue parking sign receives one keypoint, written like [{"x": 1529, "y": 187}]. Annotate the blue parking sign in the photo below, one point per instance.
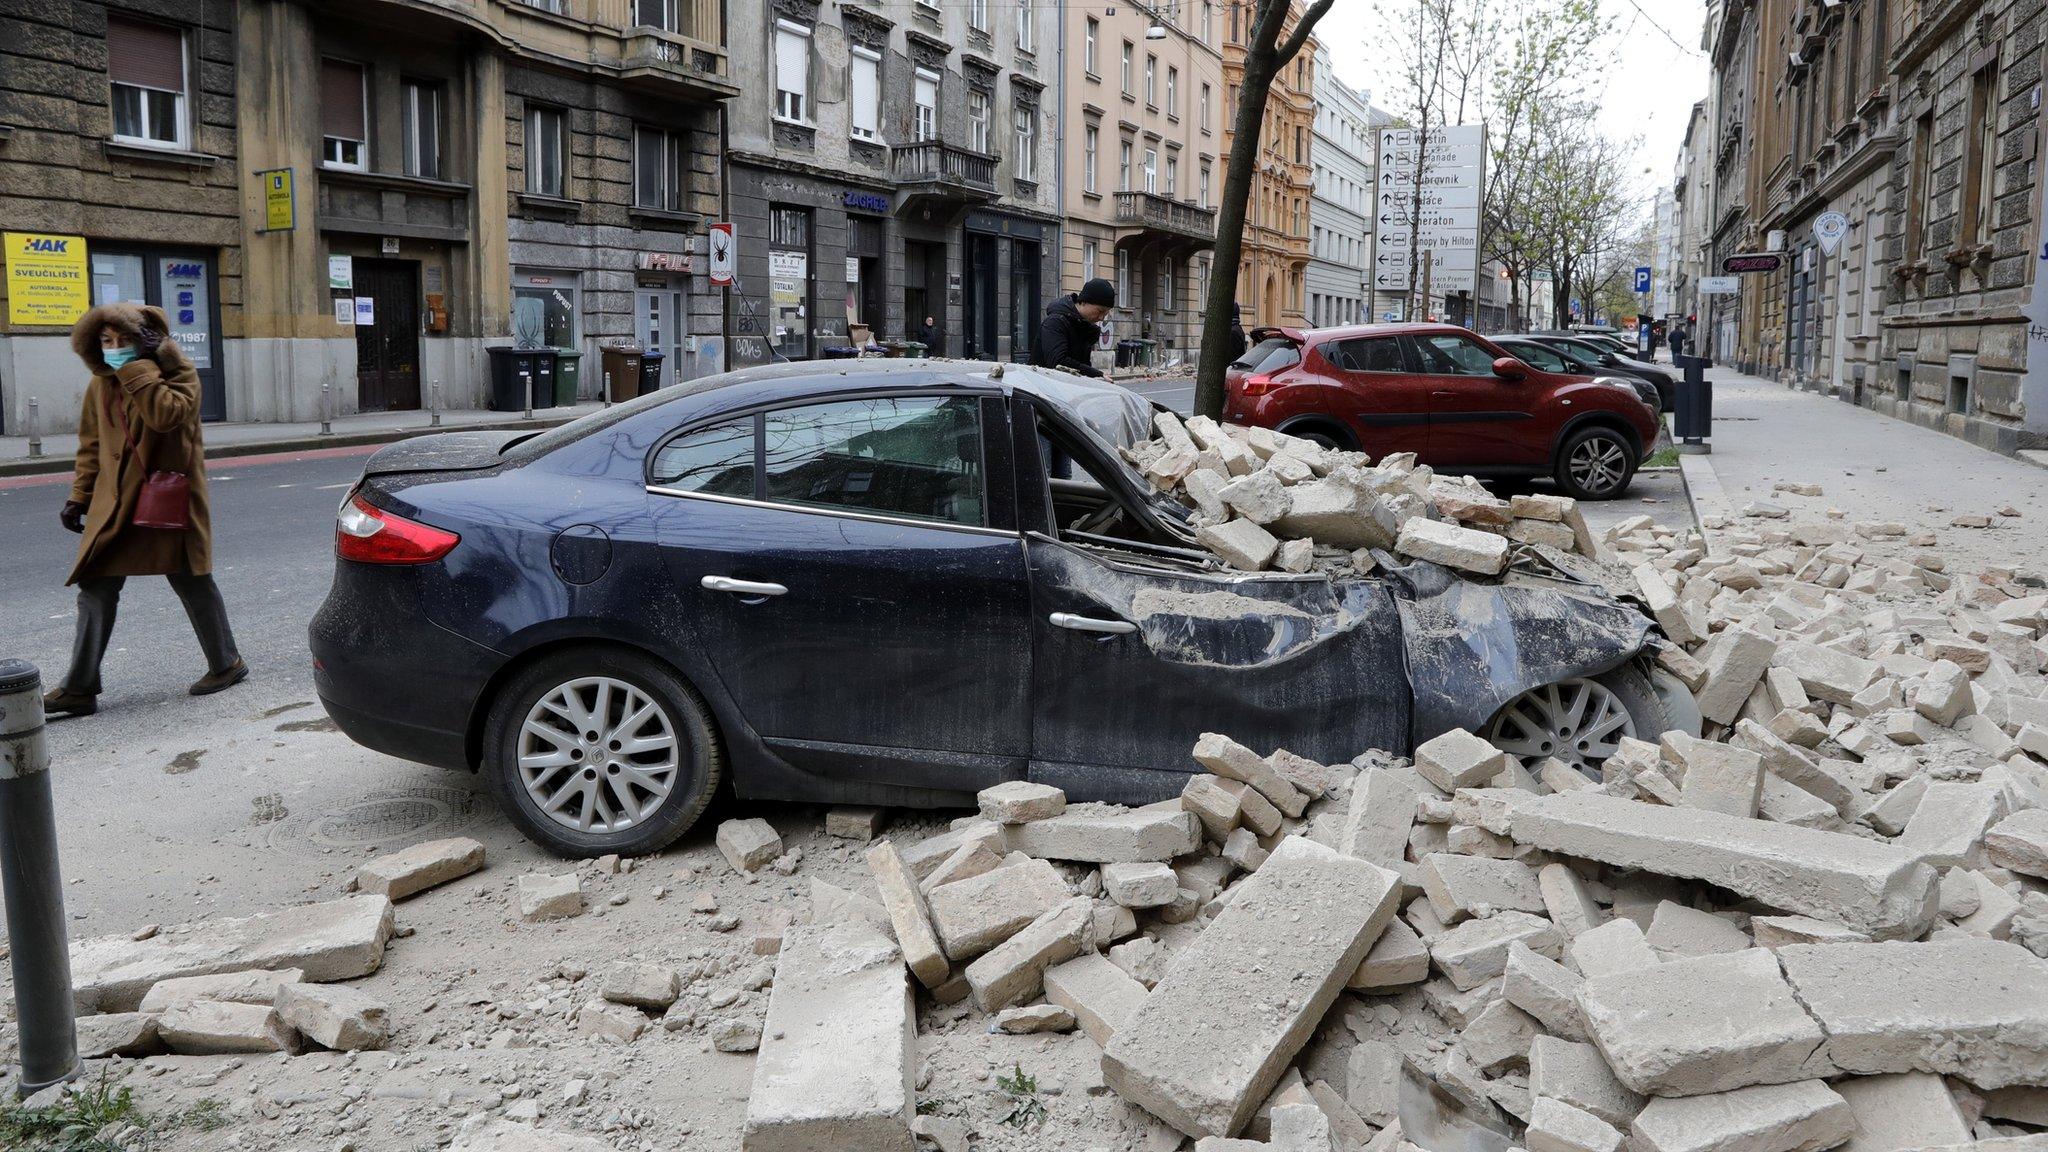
[{"x": 1642, "y": 279}]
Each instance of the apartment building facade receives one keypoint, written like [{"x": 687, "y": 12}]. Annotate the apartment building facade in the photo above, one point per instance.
[
  {"x": 1342, "y": 156},
  {"x": 1273, "y": 272},
  {"x": 1143, "y": 158}
]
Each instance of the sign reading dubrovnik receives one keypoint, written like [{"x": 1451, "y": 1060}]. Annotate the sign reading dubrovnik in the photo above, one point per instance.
[{"x": 47, "y": 281}]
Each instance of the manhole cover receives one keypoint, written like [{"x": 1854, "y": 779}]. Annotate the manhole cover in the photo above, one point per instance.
[{"x": 397, "y": 816}]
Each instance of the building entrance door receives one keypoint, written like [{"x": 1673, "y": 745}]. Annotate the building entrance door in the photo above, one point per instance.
[
  {"x": 979, "y": 339},
  {"x": 924, "y": 291},
  {"x": 658, "y": 323},
  {"x": 1024, "y": 304},
  {"x": 181, "y": 282},
  {"x": 388, "y": 345}
]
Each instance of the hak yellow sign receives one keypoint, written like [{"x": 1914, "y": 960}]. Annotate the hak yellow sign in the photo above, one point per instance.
[{"x": 47, "y": 281}]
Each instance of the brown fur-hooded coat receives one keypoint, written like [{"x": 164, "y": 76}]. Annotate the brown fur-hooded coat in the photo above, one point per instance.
[{"x": 159, "y": 397}]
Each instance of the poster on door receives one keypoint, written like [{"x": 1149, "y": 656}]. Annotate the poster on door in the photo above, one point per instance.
[
  {"x": 787, "y": 274},
  {"x": 366, "y": 311},
  {"x": 183, "y": 287}
]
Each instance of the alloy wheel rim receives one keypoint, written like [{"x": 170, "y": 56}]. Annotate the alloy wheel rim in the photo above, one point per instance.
[
  {"x": 598, "y": 755},
  {"x": 1578, "y": 721},
  {"x": 1598, "y": 463}
]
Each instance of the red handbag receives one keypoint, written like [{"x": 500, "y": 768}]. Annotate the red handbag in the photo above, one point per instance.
[{"x": 165, "y": 500}]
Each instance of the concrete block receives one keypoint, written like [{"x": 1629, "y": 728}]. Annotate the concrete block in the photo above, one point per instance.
[
  {"x": 748, "y": 845},
  {"x": 1799, "y": 1117},
  {"x": 838, "y": 1055},
  {"x": 1578, "y": 1075},
  {"x": 486, "y": 1133},
  {"x": 336, "y": 940},
  {"x": 1020, "y": 802},
  {"x": 966, "y": 862},
  {"x": 1310, "y": 778},
  {"x": 1566, "y": 901},
  {"x": 1285, "y": 944},
  {"x": 1871, "y": 887},
  {"x": 1555, "y": 1126},
  {"x": 1499, "y": 1035},
  {"x": 1242, "y": 849},
  {"x": 1214, "y": 805},
  {"x": 1677, "y": 931},
  {"x": 1101, "y": 995},
  {"x": 1377, "y": 821},
  {"x": 974, "y": 915},
  {"x": 118, "y": 1034},
  {"x": 1546, "y": 990},
  {"x": 1663, "y": 604},
  {"x": 1104, "y": 834},
  {"x": 2020, "y": 842},
  {"x": 1233, "y": 761},
  {"x": 545, "y": 897},
  {"x": 413, "y": 870},
  {"x": 1348, "y": 1131},
  {"x": 1974, "y": 1009},
  {"x": 1737, "y": 661},
  {"x": 650, "y": 986},
  {"x": 335, "y": 1016},
  {"x": 1797, "y": 767},
  {"x": 855, "y": 822},
  {"x": 1828, "y": 674},
  {"x": 1778, "y": 931},
  {"x": 1615, "y": 947},
  {"x": 1453, "y": 547},
  {"x": 1259, "y": 497},
  {"x": 831, "y": 904},
  {"x": 1458, "y": 759},
  {"x": 1300, "y": 1128},
  {"x": 1335, "y": 513},
  {"x": 1014, "y": 971},
  {"x": 1718, "y": 777},
  {"x": 257, "y": 986},
  {"x": 218, "y": 1028},
  {"x": 1254, "y": 811},
  {"x": 1704, "y": 1025},
  {"x": 1900, "y": 1111},
  {"x": 909, "y": 916},
  {"x": 1476, "y": 951},
  {"x": 1397, "y": 959},
  {"x": 1460, "y": 887},
  {"x": 603, "y": 1019},
  {"x": 1147, "y": 885},
  {"x": 1034, "y": 1019},
  {"x": 1947, "y": 830},
  {"x": 1373, "y": 1073},
  {"x": 1240, "y": 543},
  {"x": 925, "y": 856}
]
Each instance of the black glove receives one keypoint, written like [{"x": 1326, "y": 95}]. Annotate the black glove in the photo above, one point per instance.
[
  {"x": 73, "y": 516},
  {"x": 149, "y": 338}
]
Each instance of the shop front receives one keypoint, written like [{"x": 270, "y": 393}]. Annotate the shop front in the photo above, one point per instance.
[
  {"x": 182, "y": 282},
  {"x": 1009, "y": 261}
]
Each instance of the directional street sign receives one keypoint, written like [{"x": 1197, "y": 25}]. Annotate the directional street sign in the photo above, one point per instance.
[
  {"x": 1642, "y": 280},
  {"x": 1443, "y": 235}
]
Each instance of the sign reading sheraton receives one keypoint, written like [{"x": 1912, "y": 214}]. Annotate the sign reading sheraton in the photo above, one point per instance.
[{"x": 47, "y": 281}]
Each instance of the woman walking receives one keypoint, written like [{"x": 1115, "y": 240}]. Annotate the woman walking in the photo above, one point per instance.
[{"x": 138, "y": 499}]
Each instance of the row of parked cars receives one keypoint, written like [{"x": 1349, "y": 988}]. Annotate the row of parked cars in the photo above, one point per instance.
[{"x": 1574, "y": 406}]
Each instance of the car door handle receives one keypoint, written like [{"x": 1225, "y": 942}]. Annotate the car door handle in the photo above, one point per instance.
[
  {"x": 743, "y": 587},
  {"x": 1091, "y": 624}
]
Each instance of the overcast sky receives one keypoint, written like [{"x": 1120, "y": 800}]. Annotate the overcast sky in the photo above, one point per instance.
[{"x": 1650, "y": 86}]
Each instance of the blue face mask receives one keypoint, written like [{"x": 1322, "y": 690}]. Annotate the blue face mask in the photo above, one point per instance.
[{"x": 116, "y": 357}]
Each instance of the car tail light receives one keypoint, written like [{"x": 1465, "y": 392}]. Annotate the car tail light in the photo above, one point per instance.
[
  {"x": 368, "y": 534},
  {"x": 1258, "y": 385}
]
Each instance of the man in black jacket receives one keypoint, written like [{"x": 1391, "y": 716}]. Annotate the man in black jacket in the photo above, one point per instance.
[{"x": 1071, "y": 326}]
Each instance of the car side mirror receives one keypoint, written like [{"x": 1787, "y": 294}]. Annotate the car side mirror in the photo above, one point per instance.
[{"x": 1509, "y": 368}]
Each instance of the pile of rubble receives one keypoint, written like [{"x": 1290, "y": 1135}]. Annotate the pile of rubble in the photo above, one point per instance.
[{"x": 1264, "y": 499}]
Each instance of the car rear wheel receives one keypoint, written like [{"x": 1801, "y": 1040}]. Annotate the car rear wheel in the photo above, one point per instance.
[
  {"x": 1595, "y": 463},
  {"x": 593, "y": 750},
  {"x": 1580, "y": 721}
]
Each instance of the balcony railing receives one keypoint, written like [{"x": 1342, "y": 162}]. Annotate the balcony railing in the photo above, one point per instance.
[
  {"x": 1165, "y": 214},
  {"x": 937, "y": 162}
]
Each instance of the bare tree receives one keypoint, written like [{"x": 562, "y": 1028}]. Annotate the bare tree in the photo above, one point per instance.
[{"x": 1266, "y": 53}]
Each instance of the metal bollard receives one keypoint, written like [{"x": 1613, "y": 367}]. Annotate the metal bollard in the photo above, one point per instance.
[
  {"x": 1693, "y": 422},
  {"x": 34, "y": 892},
  {"x": 434, "y": 404},
  {"x": 35, "y": 428},
  {"x": 326, "y": 411},
  {"x": 607, "y": 390}
]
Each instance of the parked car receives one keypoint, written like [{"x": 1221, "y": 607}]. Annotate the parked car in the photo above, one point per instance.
[
  {"x": 1458, "y": 401},
  {"x": 897, "y": 582},
  {"x": 1591, "y": 356},
  {"x": 1538, "y": 355}
]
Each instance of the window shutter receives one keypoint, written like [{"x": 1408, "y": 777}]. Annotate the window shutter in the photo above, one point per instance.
[
  {"x": 792, "y": 62},
  {"x": 341, "y": 100},
  {"x": 147, "y": 55},
  {"x": 867, "y": 95}
]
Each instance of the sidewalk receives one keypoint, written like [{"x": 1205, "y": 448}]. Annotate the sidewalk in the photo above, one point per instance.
[
  {"x": 224, "y": 440},
  {"x": 1869, "y": 466}
]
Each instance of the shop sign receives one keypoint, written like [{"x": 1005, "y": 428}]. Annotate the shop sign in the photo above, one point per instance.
[
  {"x": 865, "y": 201},
  {"x": 280, "y": 208},
  {"x": 722, "y": 255},
  {"x": 663, "y": 262},
  {"x": 47, "y": 281},
  {"x": 1753, "y": 262}
]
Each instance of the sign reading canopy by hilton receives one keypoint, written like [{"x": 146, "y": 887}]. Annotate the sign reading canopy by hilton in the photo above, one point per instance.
[
  {"x": 47, "y": 281},
  {"x": 1753, "y": 262}
]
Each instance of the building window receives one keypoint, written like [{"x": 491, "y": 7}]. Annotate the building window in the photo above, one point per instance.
[
  {"x": 1124, "y": 74},
  {"x": 1234, "y": 6},
  {"x": 1091, "y": 142},
  {"x": 792, "y": 71},
  {"x": 1173, "y": 176},
  {"x": 977, "y": 15},
  {"x": 1088, "y": 56},
  {"x": 1208, "y": 20},
  {"x": 1123, "y": 167},
  {"x": 865, "y": 86},
  {"x": 1151, "y": 80},
  {"x": 422, "y": 123},
  {"x": 977, "y": 121},
  {"x": 662, "y": 14},
  {"x": 925, "y": 105},
  {"x": 660, "y": 160},
  {"x": 545, "y": 130},
  {"x": 1300, "y": 145},
  {"x": 1027, "y": 27},
  {"x": 1172, "y": 92},
  {"x": 1204, "y": 201},
  {"x": 1027, "y": 142},
  {"x": 1123, "y": 277},
  {"x": 146, "y": 67},
  {"x": 1204, "y": 111},
  {"x": 1979, "y": 192},
  {"x": 344, "y": 140},
  {"x": 1091, "y": 252},
  {"x": 1151, "y": 169},
  {"x": 1917, "y": 192}
]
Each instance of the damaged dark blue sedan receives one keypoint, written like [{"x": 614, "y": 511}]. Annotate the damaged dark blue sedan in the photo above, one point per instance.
[{"x": 894, "y": 582}]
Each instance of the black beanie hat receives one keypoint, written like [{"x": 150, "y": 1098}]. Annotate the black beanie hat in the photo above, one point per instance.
[{"x": 1098, "y": 292}]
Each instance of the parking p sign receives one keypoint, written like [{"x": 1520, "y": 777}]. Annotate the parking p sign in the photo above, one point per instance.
[{"x": 1642, "y": 280}]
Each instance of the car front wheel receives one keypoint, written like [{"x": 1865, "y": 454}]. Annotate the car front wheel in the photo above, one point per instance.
[
  {"x": 1580, "y": 721},
  {"x": 1595, "y": 463},
  {"x": 595, "y": 751}
]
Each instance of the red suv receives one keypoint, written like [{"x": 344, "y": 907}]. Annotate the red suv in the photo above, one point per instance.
[{"x": 1453, "y": 398}]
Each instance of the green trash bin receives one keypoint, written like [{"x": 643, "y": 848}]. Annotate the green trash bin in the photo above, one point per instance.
[
  {"x": 914, "y": 348},
  {"x": 568, "y": 376}
]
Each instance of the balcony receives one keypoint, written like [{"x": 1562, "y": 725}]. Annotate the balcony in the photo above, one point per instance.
[
  {"x": 933, "y": 172},
  {"x": 1150, "y": 216},
  {"x": 386, "y": 204},
  {"x": 690, "y": 64}
]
